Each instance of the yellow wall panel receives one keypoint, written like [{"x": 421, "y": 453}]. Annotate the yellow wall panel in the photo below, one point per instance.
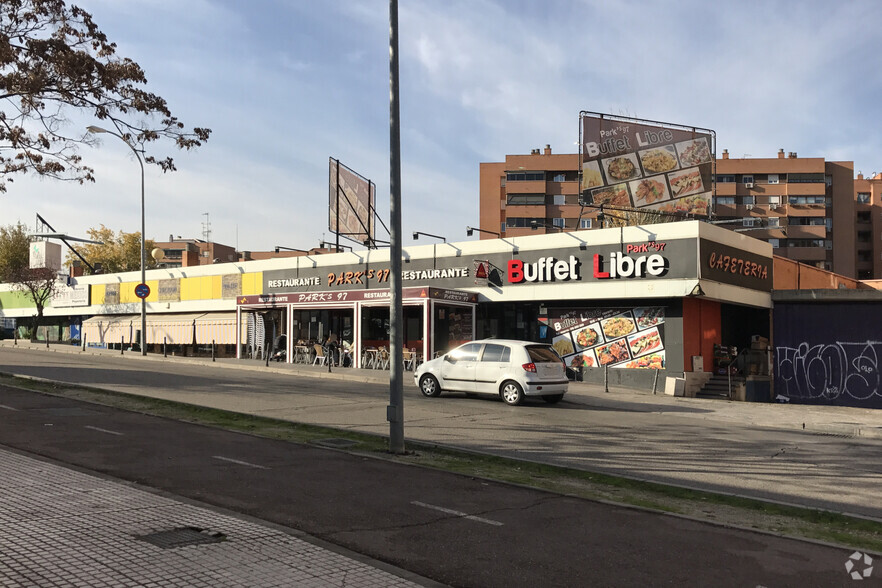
[
  {"x": 154, "y": 290},
  {"x": 190, "y": 289},
  {"x": 216, "y": 284},
  {"x": 97, "y": 294},
  {"x": 252, "y": 284}
]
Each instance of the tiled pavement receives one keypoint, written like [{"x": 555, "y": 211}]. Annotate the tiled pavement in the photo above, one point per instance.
[{"x": 63, "y": 528}]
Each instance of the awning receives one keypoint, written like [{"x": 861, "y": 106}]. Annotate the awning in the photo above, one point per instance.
[
  {"x": 219, "y": 327},
  {"x": 109, "y": 329},
  {"x": 173, "y": 329}
]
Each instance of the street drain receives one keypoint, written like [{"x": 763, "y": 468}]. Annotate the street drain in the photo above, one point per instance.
[
  {"x": 182, "y": 537},
  {"x": 336, "y": 443}
]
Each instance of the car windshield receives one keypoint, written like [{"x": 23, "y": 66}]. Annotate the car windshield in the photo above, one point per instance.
[{"x": 543, "y": 354}]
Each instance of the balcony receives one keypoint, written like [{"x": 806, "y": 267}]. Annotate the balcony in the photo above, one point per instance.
[
  {"x": 804, "y": 253},
  {"x": 806, "y": 232}
]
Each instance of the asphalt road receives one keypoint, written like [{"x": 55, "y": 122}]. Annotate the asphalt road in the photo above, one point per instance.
[
  {"x": 453, "y": 529},
  {"x": 676, "y": 441}
]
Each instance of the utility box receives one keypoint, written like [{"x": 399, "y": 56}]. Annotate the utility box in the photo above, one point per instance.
[
  {"x": 675, "y": 386},
  {"x": 697, "y": 363}
]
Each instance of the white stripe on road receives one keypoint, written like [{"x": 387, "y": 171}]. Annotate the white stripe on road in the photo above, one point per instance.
[
  {"x": 457, "y": 513},
  {"x": 100, "y": 430},
  {"x": 244, "y": 463},
  {"x": 8, "y": 407}
]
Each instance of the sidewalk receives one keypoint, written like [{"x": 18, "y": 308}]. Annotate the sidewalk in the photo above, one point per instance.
[
  {"x": 831, "y": 420},
  {"x": 61, "y": 528}
]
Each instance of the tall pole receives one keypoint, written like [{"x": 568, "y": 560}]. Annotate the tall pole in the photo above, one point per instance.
[
  {"x": 94, "y": 129},
  {"x": 395, "y": 411},
  {"x": 143, "y": 260}
]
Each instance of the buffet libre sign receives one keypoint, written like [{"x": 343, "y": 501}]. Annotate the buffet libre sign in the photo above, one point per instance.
[{"x": 630, "y": 163}]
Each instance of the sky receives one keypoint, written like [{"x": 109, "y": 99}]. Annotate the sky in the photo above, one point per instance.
[{"x": 286, "y": 84}]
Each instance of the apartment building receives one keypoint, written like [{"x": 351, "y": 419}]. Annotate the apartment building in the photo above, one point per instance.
[
  {"x": 811, "y": 210},
  {"x": 804, "y": 206},
  {"x": 868, "y": 226}
]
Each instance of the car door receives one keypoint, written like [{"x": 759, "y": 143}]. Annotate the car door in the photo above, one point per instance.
[
  {"x": 491, "y": 367},
  {"x": 458, "y": 368}
]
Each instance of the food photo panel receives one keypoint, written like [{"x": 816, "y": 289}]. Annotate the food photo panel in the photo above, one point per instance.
[
  {"x": 591, "y": 177},
  {"x": 659, "y": 160},
  {"x": 612, "y": 353},
  {"x": 649, "y": 316},
  {"x": 563, "y": 344},
  {"x": 693, "y": 151},
  {"x": 645, "y": 342},
  {"x": 649, "y": 191},
  {"x": 685, "y": 182},
  {"x": 583, "y": 359},
  {"x": 616, "y": 195},
  {"x": 587, "y": 336},
  {"x": 618, "y": 326},
  {"x": 653, "y": 361},
  {"x": 621, "y": 168}
]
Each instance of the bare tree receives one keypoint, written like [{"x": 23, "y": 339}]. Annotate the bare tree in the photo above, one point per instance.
[{"x": 53, "y": 58}]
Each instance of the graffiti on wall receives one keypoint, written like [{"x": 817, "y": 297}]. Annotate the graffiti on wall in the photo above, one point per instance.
[{"x": 839, "y": 372}]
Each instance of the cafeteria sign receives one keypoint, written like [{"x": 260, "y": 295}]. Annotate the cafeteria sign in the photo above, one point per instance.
[{"x": 632, "y": 163}]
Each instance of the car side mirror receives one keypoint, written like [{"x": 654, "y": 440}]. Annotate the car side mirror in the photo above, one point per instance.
[{"x": 448, "y": 359}]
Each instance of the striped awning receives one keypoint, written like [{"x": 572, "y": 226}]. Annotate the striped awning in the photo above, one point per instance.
[
  {"x": 172, "y": 329},
  {"x": 109, "y": 329},
  {"x": 219, "y": 328}
]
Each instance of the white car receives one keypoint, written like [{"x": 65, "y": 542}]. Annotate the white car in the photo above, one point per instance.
[{"x": 510, "y": 369}]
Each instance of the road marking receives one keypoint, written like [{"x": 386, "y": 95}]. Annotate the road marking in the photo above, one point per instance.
[
  {"x": 8, "y": 407},
  {"x": 244, "y": 463},
  {"x": 100, "y": 430},
  {"x": 457, "y": 513}
]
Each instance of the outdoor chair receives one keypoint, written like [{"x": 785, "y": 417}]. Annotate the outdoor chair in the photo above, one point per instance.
[{"x": 320, "y": 357}]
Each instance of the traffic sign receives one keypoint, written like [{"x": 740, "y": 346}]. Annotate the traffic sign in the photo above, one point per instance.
[{"x": 142, "y": 291}]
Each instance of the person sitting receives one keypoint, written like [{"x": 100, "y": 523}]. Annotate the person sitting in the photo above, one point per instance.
[{"x": 346, "y": 354}]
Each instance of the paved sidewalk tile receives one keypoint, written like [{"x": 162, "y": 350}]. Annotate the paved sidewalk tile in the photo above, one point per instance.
[{"x": 63, "y": 528}]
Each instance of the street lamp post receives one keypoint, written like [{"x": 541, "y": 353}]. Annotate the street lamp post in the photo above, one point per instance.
[{"x": 94, "y": 129}]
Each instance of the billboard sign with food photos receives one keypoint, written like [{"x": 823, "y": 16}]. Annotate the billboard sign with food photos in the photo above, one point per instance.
[
  {"x": 616, "y": 337},
  {"x": 632, "y": 163},
  {"x": 352, "y": 203}
]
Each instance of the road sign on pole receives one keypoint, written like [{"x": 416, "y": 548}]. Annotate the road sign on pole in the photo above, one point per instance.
[{"x": 142, "y": 291}]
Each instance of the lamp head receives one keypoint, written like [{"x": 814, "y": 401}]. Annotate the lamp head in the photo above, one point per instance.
[
  {"x": 416, "y": 235},
  {"x": 534, "y": 225},
  {"x": 277, "y": 249},
  {"x": 469, "y": 231}
]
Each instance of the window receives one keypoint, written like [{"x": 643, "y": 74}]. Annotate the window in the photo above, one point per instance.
[
  {"x": 499, "y": 353},
  {"x": 863, "y": 198},
  {"x": 502, "y": 227},
  {"x": 807, "y": 200},
  {"x": 746, "y": 179},
  {"x": 558, "y": 222},
  {"x": 559, "y": 177},
  {"x": 863, "y": 217},
  {"x": 468, "y": 352},
  {"x": 774, "y": 243},
  {"x": 523, "y": 222},
  {"x": 524, "y": 176},
  {"x": 525, "y": 199},
  {"x": 807, "y": 220},
  {"x": 722, "y": 179},
  {"x": 864, "y": 237},
  {"x": 774, "y": 222},
  {"x": 725, "y": 200},
  {"x": 559, "y": 199},
  {"x": 748, "y": 222},
  {"x": 585, "y": 223},
  {"x": 806, "y": 178},
  {"x": 773, "y": 178},
  {"x": 748, "y": 200},
  {"x": 828, "y": 222},
  {"x": 864, "y": 256}
]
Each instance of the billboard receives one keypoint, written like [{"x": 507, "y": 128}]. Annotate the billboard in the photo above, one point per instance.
[
  {"x": 44, "y": 254},
  {"x": 632, "y": 163},
  {"x": 352, "y": 206}
]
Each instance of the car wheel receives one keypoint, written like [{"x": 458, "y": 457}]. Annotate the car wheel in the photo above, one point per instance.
[
  {"x": 429, "y": 386},
  {"x": 512, "y": 393},
  {"x": 553, "y": 398}
]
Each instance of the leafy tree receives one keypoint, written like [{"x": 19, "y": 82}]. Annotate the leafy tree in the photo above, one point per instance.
[
  {"x": 53, "y": 58},
  {"x": 120, "y": 252},
  {"x": 39, "y": 284}
]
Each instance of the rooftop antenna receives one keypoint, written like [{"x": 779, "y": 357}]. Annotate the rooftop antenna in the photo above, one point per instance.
[{"x": 206, "y": 228}]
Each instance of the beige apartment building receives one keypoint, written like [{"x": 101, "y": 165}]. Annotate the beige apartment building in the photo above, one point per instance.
[{"x": 811, "y": 210}]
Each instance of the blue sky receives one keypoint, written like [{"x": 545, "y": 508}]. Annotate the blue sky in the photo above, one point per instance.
[{"x": 286, "y": 84}]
